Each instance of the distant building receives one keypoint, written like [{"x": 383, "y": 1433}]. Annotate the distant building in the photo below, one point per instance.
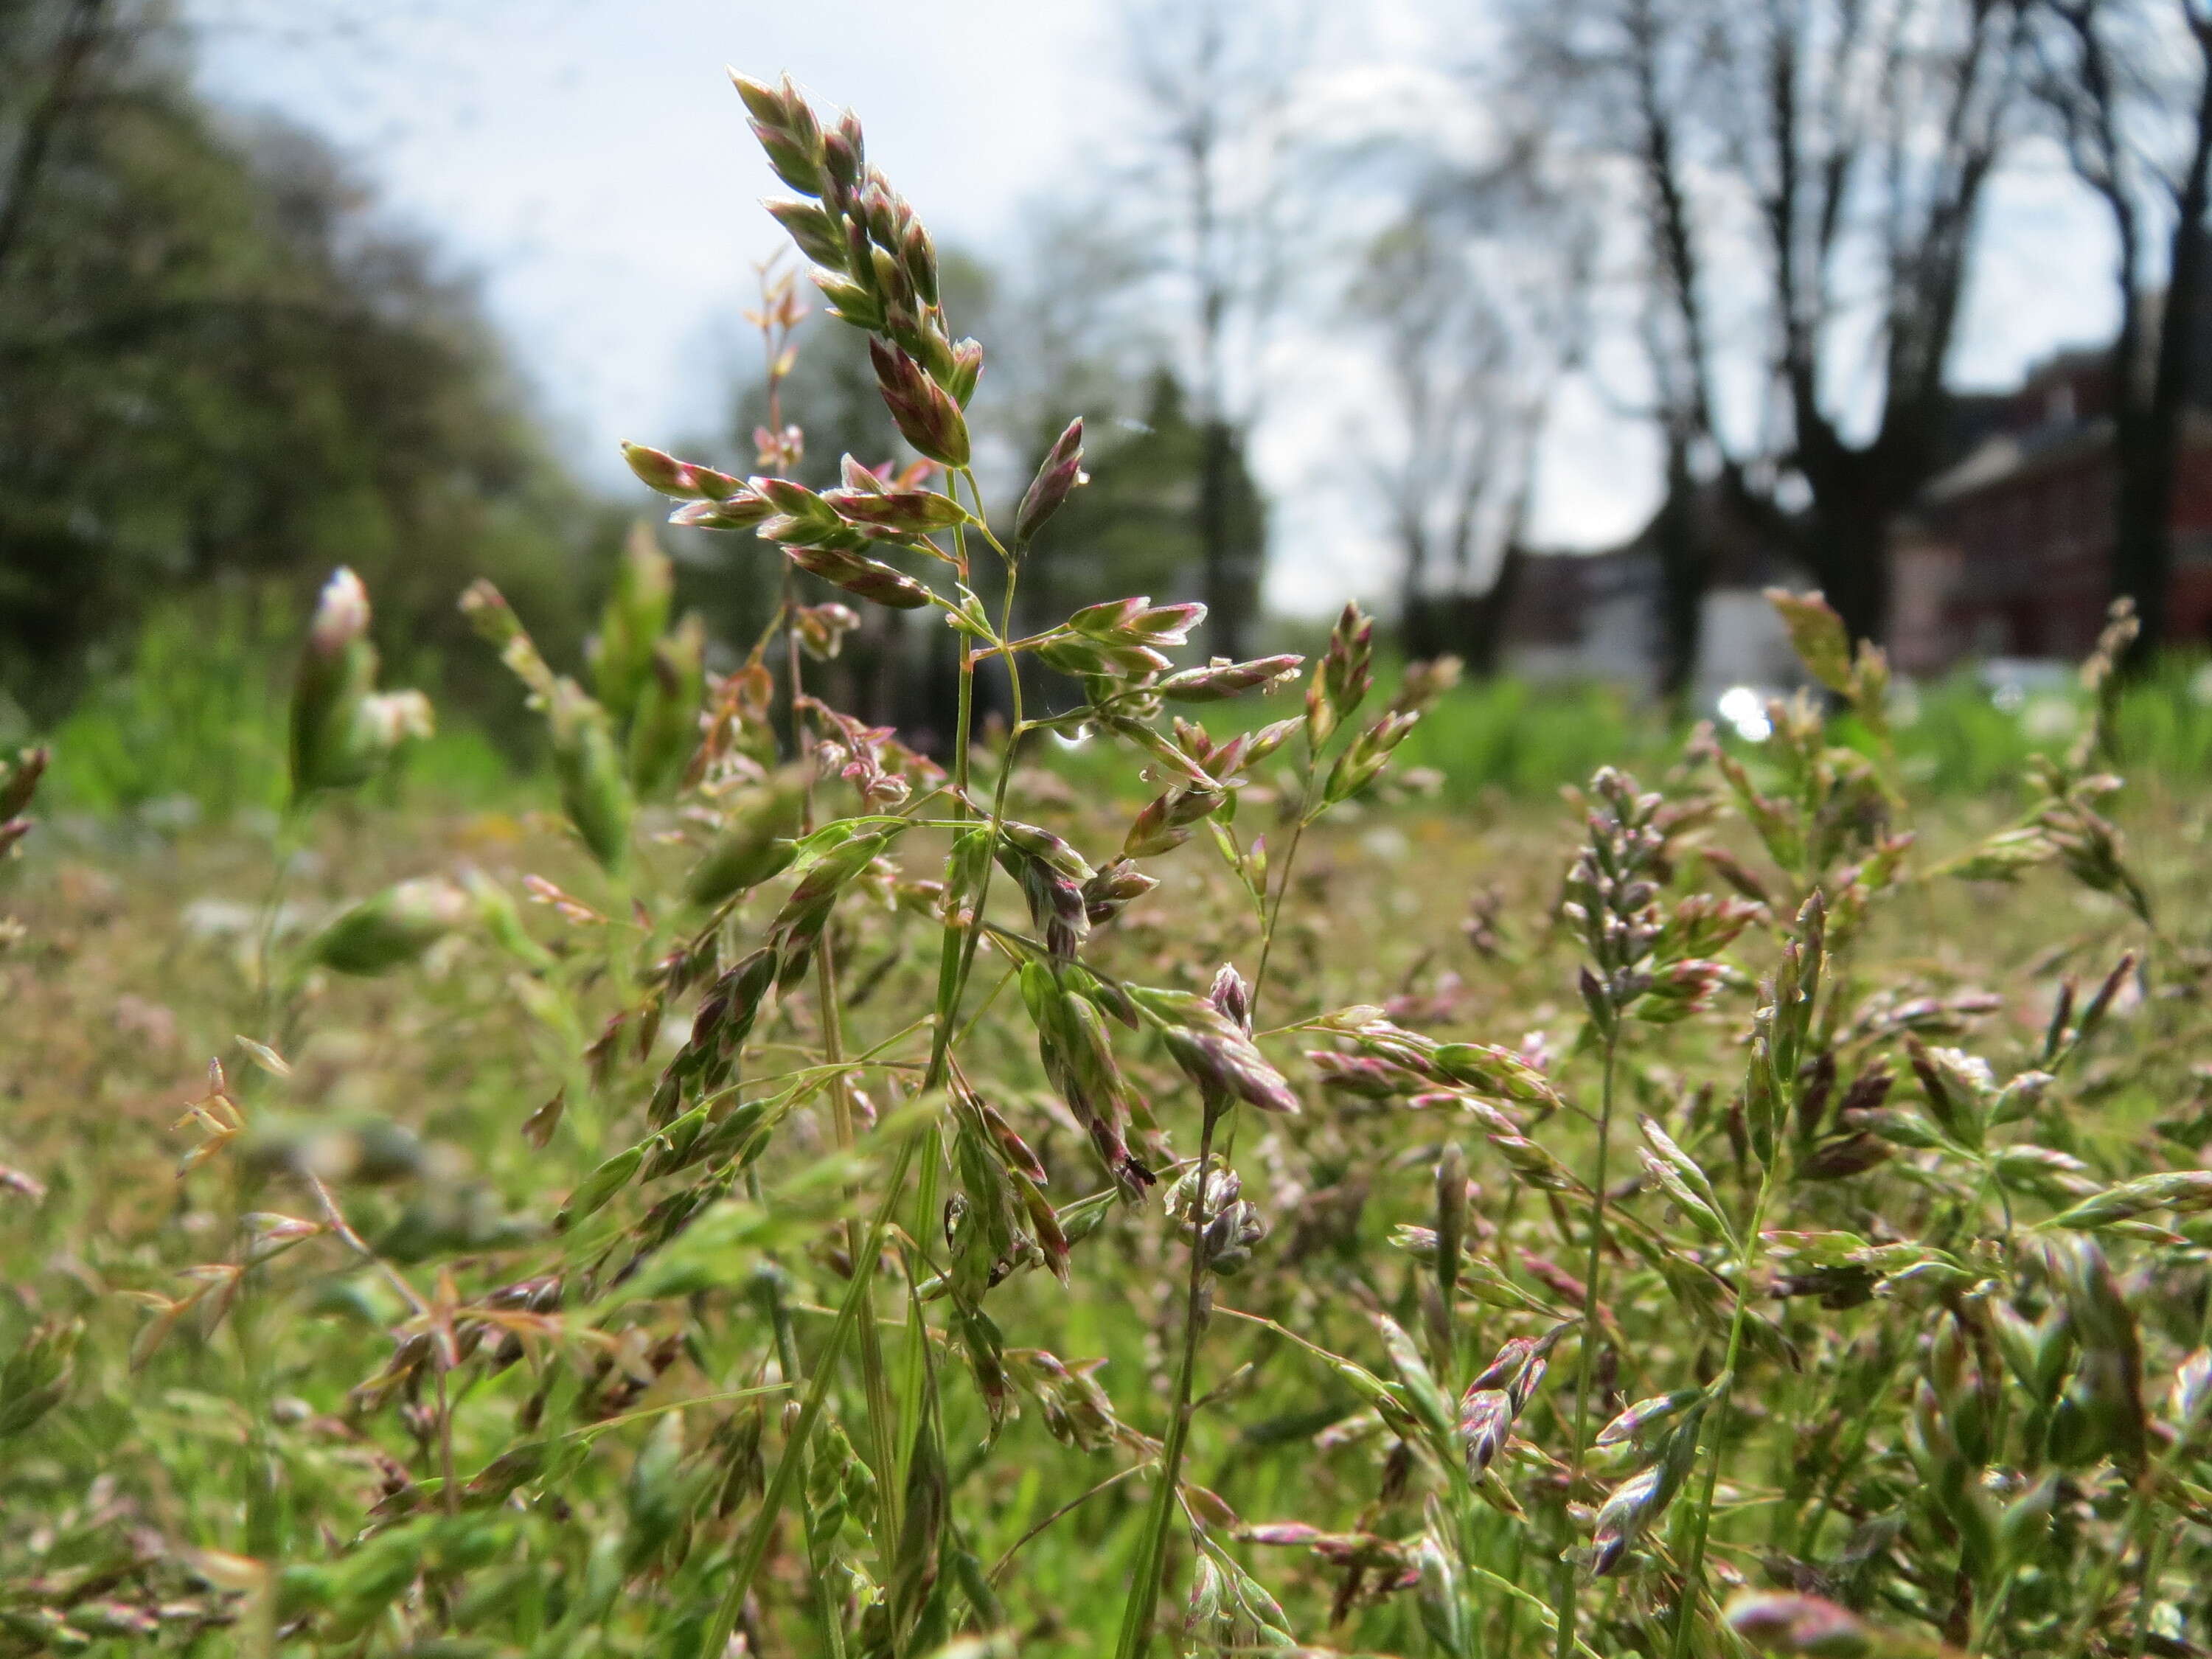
[
  {"x": 2010, "y": 552},
  {"x": 1596, "y": 616},
  {"x": 2008, "y": 555},
  {"x": 1585, "y": 617}
]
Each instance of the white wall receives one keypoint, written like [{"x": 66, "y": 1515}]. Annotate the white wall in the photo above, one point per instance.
[{"x": 1743, "y": 643}]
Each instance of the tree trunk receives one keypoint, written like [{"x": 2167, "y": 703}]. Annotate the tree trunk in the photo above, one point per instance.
[
  {"x": 1685, "y": 565},
  {"x": 1417, "y": 608},
  {"x": 1227, "y": 582},
  {"x": 2146, "y": 435},
  {"x": 1482, "y": 621},
  {"x": 2143, "y": 542},
  {"x": 1847, "y": 548},
  {"x": 1859, "y": 493}
]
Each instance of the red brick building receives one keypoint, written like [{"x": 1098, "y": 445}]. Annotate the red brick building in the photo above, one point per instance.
[{"x": 2011, "y": 553}]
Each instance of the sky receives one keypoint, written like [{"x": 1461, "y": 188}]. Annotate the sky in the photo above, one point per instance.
[{"x": 588, "y": 161}]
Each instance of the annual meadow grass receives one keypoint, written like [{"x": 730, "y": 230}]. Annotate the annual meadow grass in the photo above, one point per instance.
[{"x": 786, "y": 1196}]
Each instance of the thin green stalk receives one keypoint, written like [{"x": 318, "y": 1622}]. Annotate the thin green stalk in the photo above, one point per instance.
[
  {"x": 974, "y": 931},
  {"x": 2155, "y": 1565},
  {"x": 1144, "y": 1590},
  {"x": 955, "y": 960},
  {"x": 287, "y": 847},
  {"x": 1506, "y": 1643},
  {"x": 950, "y": 953},
  {"x": 755, "y": 1548},
  {"x": 881, "y": 1420},
  {"x": 1570, "y": 1584},
  {"x": 956, "y": 950},
  {"x": 2154, "y": 1568},
  {"x": 990, "y": 997},
  {"x": 1282, "y": 887},
  {"x": 1072, "y": 1504},
  {"x": 1152, "y": 1556},
  {"x": 957, "y": 955},
  {"x": 787, "y": 1356},
  {"x": 1701, "y": 1519},
  {"x": 590, "y": 1432},
  {"x": 261, "y": 1480},
  {"x": 2077, "y": 1637},
  {"x": 1847, "y": 1460},
  {"x": 1987, "y": 1620},
  {"x": 2147, "y": 1483},
  {"x": 1462, "y": 1538},
  {"x": 1272, "y": 914},
  {"x": 450, "y": 1490},
  {"x": 1517, "y": 1597},
  {"x": 915, "y": 1396},
  {"x": 246, "y": 1315}
]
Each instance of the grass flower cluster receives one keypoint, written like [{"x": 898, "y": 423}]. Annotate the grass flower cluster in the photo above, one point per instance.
[{"x": 814, "y": 1198}]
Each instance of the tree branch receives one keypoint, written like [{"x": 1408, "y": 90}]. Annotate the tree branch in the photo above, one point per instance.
[{"x": 80, "y": 35}]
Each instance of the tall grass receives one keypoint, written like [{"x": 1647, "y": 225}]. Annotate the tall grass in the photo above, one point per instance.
[
  {"x": 820, "y": 1202},
  {"x": 193, "y": 723},
  {"x": 195, "y": 716}
]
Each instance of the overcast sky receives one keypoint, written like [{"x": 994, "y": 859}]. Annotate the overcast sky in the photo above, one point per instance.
[{"x": 589, "y": 160}]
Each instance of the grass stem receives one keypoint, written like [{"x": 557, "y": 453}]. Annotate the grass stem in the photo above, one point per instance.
[
  {"x": 1586, "y": 1358},
  {"x": 1152, "y": 1547}
]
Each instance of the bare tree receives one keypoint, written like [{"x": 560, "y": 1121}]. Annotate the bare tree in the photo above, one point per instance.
[
  {"x": 1868, "y": 134},
  {"x": 1668, "y": 62},
  {"x": 1214, "y": 79},
  {"x": 1476, "y": 302},
  {"x": 1627, "y": 86},
  {"x": 1857, "y": 138},
  {"x": 2129, "y": 83},
  {"x": 1632, "y": 76}
]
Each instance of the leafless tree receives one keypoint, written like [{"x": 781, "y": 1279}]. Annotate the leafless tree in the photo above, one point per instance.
[
  {"x": 1627, "y": 86},
  {"x": 1866, "y": 132},
  {"x": 1476, "y": 301},
  {"x": 2129, "y": 85},
  {"x": 1214, "y": 80},
  {"x": 1631, "y": 78},
  {"x": 1857, "y": 138}
]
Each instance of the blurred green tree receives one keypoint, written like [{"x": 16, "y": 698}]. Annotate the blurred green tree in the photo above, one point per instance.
[
  {"x": 1135, "y": 528},
  {"x": 1084, "y": 335},
  {"x": 219, "y": 364}
]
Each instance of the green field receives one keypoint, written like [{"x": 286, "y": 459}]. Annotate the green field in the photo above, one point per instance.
[
  {"x": 478, "y": 1304},
  {"x": 1295, "y": 1154}
]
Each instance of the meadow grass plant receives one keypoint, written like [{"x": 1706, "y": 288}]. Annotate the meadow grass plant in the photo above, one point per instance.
[{"x": 820, "y": 1198}]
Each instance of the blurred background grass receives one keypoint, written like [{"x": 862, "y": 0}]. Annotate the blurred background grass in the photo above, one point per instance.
[{"x": 189, "y": 728}]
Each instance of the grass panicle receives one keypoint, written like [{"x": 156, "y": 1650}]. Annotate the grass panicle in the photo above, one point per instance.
[{"x": 1173, "y": 1188}]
